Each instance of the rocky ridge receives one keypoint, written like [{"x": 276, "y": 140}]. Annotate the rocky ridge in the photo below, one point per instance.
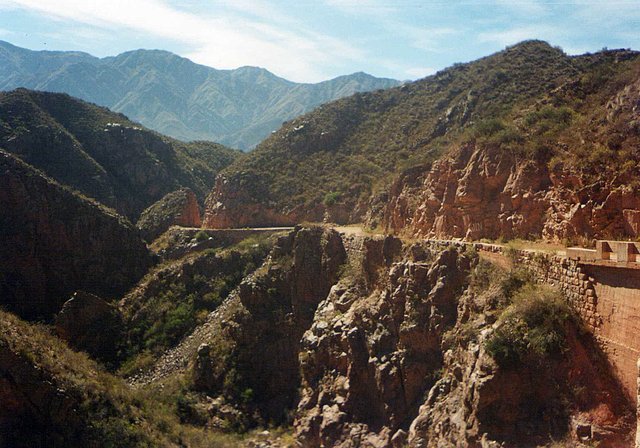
[
  {"x": 175, "y": 96},
  {"x": 103, "y": 154},
  {"x": 551, "y": 158},
  {"x": 179, "y": 208},
  {"x": 482, "y": 192},
  {"x": 369, "y": 341}
]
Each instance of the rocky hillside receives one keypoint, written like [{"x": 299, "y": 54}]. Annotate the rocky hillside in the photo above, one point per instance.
[
  {"x": 178, "y": 208},
  {"x": 102, "y": 154},
  {"x": 370, "y": 341},
  {"x": 522, "y": 137},
  {"x": 175, "y": 96},
  {"x": 563, "y": 168},
  {"x": 56, "y": 242},
  {"x": 53, "y": 397}
]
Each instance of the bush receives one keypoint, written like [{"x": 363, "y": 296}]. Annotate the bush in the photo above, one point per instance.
[
  {"x": 531, "y": 329},
  {"x": 514, "y": 281},
  {"x": 201, "y": 236},
  {"x": 483, "y": 275},
  {"x": 331, "y": 198}
]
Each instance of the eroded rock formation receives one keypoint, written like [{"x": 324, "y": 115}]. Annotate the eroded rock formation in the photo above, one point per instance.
[
  {"x": 178, "y": 208},
  {"x": 258, "y": 342},
  {"x": 486, "y": 192},
  {"x": 366, "y": 341},
  {"x": 90, "y": 324},
  {"x": 370, "y": 356}
]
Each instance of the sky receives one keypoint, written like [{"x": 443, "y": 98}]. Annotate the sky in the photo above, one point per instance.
[{"x": 315, "y": 40}]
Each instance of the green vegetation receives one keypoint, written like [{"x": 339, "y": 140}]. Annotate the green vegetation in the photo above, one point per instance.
[
  {"x": 103, "y": 154},
  {"x": 532, "y": 328},
  {"x": 177, "y": 97},
  {"x": 177, "y": 297},
  {"x": 331, "y": 198},
  {"x": 201, "y": 236},
  {"x": 515, "y": 100},
  {"x": 96, "y": 408},
  {"x": 105, "y": 410}
]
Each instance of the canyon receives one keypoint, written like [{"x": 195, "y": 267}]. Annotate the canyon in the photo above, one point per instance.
[{"x": 388, "y": 270}]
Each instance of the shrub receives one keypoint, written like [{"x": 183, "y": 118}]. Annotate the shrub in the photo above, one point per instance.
[
  {"x": 201, "y": 236},
  {"x": 483, "y": 275},
  {"x": 514, "y": 281},
  {"x": 531, "y": 329},
  {"x": 331, "y": 198}
]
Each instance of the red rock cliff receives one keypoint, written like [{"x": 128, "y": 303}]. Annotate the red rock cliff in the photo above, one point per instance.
[{"x": 485, "y": 192}]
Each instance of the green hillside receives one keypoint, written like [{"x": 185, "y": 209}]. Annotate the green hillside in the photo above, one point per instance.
[
  {"x": 345, "y": 152},
  {"x": 103, "y": 154}
]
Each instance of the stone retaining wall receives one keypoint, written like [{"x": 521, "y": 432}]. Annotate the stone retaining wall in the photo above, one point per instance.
[{"x": 606, "y": 298}]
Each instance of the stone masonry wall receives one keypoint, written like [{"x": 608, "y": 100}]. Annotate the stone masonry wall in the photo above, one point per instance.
[{"x": 606, "y": 298}]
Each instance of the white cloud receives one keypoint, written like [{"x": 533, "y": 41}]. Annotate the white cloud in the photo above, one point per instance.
[
  {"x": 518, "y": 34},
  {"x": 419, "y": 72},
  {"x": 222, "y": 41}
]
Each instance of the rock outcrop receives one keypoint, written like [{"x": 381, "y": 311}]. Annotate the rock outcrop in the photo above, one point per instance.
[
  {"x": 256, "y": 341},
  {"x": 55, "y": 243},
  {"x": 369, "y": 341},
  {"x": 179, "y": 208},
  {"x": 231, "y": 205},
  {"x": 90, "y": 324},
  {"x": 478, "y": 403},
  {"x": 529, "y": 140},
  {"x": 486, "y": 192},
  {"x": 370, "y": 356}
]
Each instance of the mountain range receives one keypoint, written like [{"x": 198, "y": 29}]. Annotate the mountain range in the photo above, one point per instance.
[
  {"x": 176, "y": 96},
  {"x": 102, "y": 154}
]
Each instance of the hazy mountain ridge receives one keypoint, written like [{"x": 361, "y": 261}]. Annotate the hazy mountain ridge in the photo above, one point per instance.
[{"x": 175, "y": 96}]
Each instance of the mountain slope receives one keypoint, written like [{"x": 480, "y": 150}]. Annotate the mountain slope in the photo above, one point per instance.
[
  {"x": 102, "y": 154},
  {"x": 175, "y": 96},
  {"x": 338, "y": 162},
  {"x": 56, "y": 242}
]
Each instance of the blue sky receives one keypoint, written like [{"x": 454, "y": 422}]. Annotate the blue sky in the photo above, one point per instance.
[{"x": 313, "y": 40}]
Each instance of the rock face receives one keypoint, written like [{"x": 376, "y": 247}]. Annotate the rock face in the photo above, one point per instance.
[
  {"x": 485, "y": 135},
  {"x": 486, "y": 192},
  {"x": 477, "y": 403},
  {"x": 92, "y": 325},
  {"x": 178, "y": 208},
  {"x": 370, "y": 356},
  {"x": 257, "y": 342},
  {"x": 366, "y": 341},
  {"x": 55, "y": 242},
  {"x": 230, "y": 204},
  {"x": 638, "y": 410},
  {"x": 400, "y": 359}
]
